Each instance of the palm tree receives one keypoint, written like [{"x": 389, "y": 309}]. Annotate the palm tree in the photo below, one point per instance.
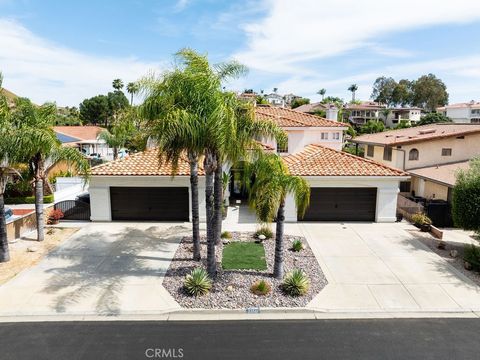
[
  {"x": 386, "y": 112},
  {"x": 353, "y": 88},
  {"x": 322, "y": 92},
  {"x": 117, "y": 84},
  {"x": 132, "y": 89},
  {"x": 40, "y": 147},
  {"x": 275, "y": 90},
  {"x": 267, "y": 197}
]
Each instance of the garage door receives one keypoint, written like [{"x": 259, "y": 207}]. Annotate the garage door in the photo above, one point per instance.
[
  {"x": 342, "y": 204},
  {"x": 149, "y": 203}
]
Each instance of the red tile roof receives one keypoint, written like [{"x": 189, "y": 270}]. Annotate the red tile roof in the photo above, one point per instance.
[
  {"x": 144, "y": 163},
  {"x": 291, "y": 118},
  {"x": 317, "y": 160},
  {"x": 79, "y": 132}
]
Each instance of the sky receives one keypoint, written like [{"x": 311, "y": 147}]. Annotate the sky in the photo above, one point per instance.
[{"x": 66, "y": 51}]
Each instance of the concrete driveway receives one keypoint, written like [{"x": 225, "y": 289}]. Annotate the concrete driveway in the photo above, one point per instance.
[
  {"x": 382, "y": 267},
  {"x": 104, "y": 269}
]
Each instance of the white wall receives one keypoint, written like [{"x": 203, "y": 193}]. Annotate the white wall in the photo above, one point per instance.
[
  {"x": 459, "y": 115},
  {"x": 387, "y": 190},
  {"x": 68, "y": 188},
  {"x": 100, "y": 191}
]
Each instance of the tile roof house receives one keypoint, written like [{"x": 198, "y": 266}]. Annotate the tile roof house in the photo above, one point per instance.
[
  {"x": 468, "y": 112},
  {"x": 344, "y": 187},
  {"x": 85, "y": 138}
]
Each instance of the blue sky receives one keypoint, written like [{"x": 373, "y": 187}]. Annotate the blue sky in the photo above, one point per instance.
[{"x": 65, "y": 51}]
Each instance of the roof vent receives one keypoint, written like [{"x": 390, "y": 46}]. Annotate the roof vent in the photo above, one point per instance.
[{"x": 427, "y": 131}]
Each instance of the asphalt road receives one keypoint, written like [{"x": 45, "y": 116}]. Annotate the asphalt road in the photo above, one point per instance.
[{"x": 321, "y": 339}]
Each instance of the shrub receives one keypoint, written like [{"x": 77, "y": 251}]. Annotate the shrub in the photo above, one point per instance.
[
  {"x": 297, "y": 245},
  {"x": 466, "y": 197},
  {"x": 197, "y": 282},
  {"x": 296, "y": 283},
  {"x": 264, "y": 230},
  {"x": 261, "y": 288},
  {"x": 54, "y": 216},
  {"x": 421, "y": 219},
  {"x": 226, "y": 235},
  {"x": 47, "y": 199},
  {"x": 472, "y": 255}
]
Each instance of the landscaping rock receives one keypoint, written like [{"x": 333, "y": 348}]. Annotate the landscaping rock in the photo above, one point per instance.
[
  {"x": 261, "y": 237},
  {"x": 225, "y": 242},
  {"x": 453, "y": 253},
  {"x": 467, "y": 265},
  {"x": 442, "y": 245}
]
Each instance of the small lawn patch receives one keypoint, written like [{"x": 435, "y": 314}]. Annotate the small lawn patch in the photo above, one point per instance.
[{"x": 243, "y": 256}]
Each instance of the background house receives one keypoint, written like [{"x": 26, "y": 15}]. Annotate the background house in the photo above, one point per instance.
[
  {"x": 462, "y": 112},
  {"x": 85, "y": 139},
  {"x": 275, "y": 99}
]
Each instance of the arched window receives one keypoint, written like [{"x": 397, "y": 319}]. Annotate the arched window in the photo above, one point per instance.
[{"x": 413, "y": 154}]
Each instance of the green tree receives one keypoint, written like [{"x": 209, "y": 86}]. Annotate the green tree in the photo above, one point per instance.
[
  {"x": 383, "y": 89},
  {"x": 95, "y": 110},
  {"x": 132, "y": 89},
  {"x": 403, "y": 93},
  {"x": 117, "y": 102},
  {"x": 267, "y": 197},
  {"x": 372, "y": 127},
  {"x": 68, "y": 116},
  {"x": 40, "y": 147},
  {"x": 353, "y": 88},
  {"x": 333, "y": 100},
  {"x": 466, "y": 197},
  {"x": 298, "y": 102},
  {"x": 117, "y": 84},
  {"x": 429, "y": 92},
  {"x": 120, "y": 133},
  {"x": 433, "y": 118},
  {"x": 322, "y": 93}
]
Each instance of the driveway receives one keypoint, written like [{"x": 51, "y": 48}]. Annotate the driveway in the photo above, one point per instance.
[
  {"x": 104, "y": 269},
  {"x": 382, "y": 267}
]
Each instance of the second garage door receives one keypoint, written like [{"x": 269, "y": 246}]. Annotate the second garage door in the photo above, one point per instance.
[
  {"x": 149, "y": 203},
  {"x": 342, "y": 204}
]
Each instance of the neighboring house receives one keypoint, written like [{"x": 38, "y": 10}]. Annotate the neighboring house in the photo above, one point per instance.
[
  {"x": 359, "y": 114},
  {"x": 289, "y": 98},
  {"x": 411, "y": 115},
  {"x": 10, "y": 96},
  {"x": 462, "y": 112},
  {"x": 425, "y": 152},
  {"x": 344, "y": 187},
  {"x": 85, "y": 139},
  {"x": 275, "y": 99}
]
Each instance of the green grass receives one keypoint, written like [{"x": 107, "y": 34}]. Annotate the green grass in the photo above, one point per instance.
[{"x": 244, "y": 255}]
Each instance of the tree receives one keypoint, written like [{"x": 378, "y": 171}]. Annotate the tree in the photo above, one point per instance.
[
  {"x": 372, "y": 127},
  {"x": 334, "y": 100},
  {"x": 403, "y": 124},
  {"x": 117, "y": 102},
  {"x": 466, "y": 197},
  {"x": 322, "y": 92},
  {"x": 41, "y": 147},
  {"x": 68, "y": 116},
  {"x": 95, "y": 110},
  {"x": 120, "y": 133},
  {"x": 403, "y": 93},
  {"x": 383, "y": 89},
  {"x": 132, "y": 89},
  {"x": 429, "y": 92},
  {"x": 433, "y": 118},
  {"x": 268, "y": 193},
  {"x": 117, "y": 84},
  {"x": 353, "y": 88},
  {"x": 386, "y": 112},
  {"x": 299, "y": 101}
]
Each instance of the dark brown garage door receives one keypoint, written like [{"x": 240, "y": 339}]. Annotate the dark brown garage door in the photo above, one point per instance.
[
  {"x": 146, "y": 203},
  {"x": 342, "y": 204}
]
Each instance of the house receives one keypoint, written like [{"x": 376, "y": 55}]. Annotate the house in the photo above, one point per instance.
[
  {"x": 359, "y": 114},
  {"x": 290, "y": 97},
  {"x": 85, "y": 139},
  {"x": 462, "y": 112},
  {"x": 275, "y": 99},
  {"x": 410, "y": 115},
  {"x": 344, "y": 187}
]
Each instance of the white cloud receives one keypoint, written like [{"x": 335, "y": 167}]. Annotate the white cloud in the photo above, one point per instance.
[
  {"x": 181, "y": 5},
  {"x": 44, "y": 71},
  {"x": 297, "y": 31}
]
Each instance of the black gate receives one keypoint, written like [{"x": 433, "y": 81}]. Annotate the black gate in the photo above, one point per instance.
[{"x": 73, "y": 210}]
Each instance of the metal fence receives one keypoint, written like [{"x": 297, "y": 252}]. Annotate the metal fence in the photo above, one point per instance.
[{"x": 74, "y": 210}]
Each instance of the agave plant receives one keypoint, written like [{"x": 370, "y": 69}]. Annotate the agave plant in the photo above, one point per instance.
[
  {"x": 296, "y": 283},
  {"x": 198, "y": 282}
]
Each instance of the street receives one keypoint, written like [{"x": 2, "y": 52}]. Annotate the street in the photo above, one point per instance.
[{"x": 294, "y": 339}]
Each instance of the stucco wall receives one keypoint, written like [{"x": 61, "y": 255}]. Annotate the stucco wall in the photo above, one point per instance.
[
  {"x": 429, "y": 189},
  {"x": 387, "y": 190},
  {"x": 100, "y": 191}
]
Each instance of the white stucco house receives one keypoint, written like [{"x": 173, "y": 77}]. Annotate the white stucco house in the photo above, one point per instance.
[
  {"x": 85, "y": 139},
  {"x": 344, "y": 187},
  {"x": 468, "y": 112}
]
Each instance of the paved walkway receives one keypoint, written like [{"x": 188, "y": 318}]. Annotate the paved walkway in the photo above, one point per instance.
[{"x": 104, "y": 269}]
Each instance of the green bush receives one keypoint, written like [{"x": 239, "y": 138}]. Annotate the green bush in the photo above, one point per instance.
[
  {"x": 466, "y": 197},
  {"x": 47, "y": 199},
  {"x": 226, "y": 235},
  {"x": 261, "y": 288},
  {"x": 197, "y": 282},
  {"x": 421, "y": 219},
  {"x": 264, "y": 230},
  {"x": 297, "y": 245},
  {"x": 296, "y": 283},
  {"x": 472, "y": 255}
]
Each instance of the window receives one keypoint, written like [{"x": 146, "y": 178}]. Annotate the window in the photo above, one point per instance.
[
  {"x": 413, "y": 154},
  {"x": 370, "y": 150},
  {"x": 336, "y": 136},
  {"x": 446, "y": 152},
  {"x": 282, "y": 147},
  {"x": 405, "y": 186},
  {"x": 387, "y": 153},
  {"x": 324, "y": 136}
]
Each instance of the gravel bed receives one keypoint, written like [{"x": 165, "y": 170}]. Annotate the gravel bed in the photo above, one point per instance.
[
  {"x": 456, "y": 262},
  {"x": 231, "y": 288}
]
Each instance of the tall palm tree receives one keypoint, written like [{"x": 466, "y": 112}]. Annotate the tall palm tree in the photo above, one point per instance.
[
  {"x": 353, "y": 88},
  {"x": 267, "y": 197},
  {"x": 132, "y": 89},
  {"x": 40, "y": 147},
  {"x": 117, "y": 84},
  {"x": 322, "y": 92}
]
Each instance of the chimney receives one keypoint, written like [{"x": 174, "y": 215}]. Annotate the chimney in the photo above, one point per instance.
[{"x": 331, "y": 113}]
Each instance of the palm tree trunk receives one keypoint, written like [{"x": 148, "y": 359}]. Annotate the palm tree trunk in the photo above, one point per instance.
[
  {"x": 210, "y": 166},
  {"x": 278, "y": 264},
  {"x": 115, "y": 153},
  {"x": 193, "y": 159},
  {"x": 218, "y": 193},
  {"x": 39, "y": 198},
  {"x": 4, "y": 252}
]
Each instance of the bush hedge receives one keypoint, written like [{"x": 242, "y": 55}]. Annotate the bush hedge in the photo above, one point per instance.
[
  {"x": 47, "y": 199},
  {"x": 466, "y": 198}
]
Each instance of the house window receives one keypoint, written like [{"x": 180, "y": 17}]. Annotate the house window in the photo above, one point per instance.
[
  {"x": 324, "y": 136},
  {"x": 387, "y": 153},
  {"x": 336, "y": 136},
  {"x": 282, "y": 147},
  {"x": 405, "y": 186},
  {"x": 446, "y": 152},
  {"x": 413, "y": 154},
  {"x": 370, "y": 150}
]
